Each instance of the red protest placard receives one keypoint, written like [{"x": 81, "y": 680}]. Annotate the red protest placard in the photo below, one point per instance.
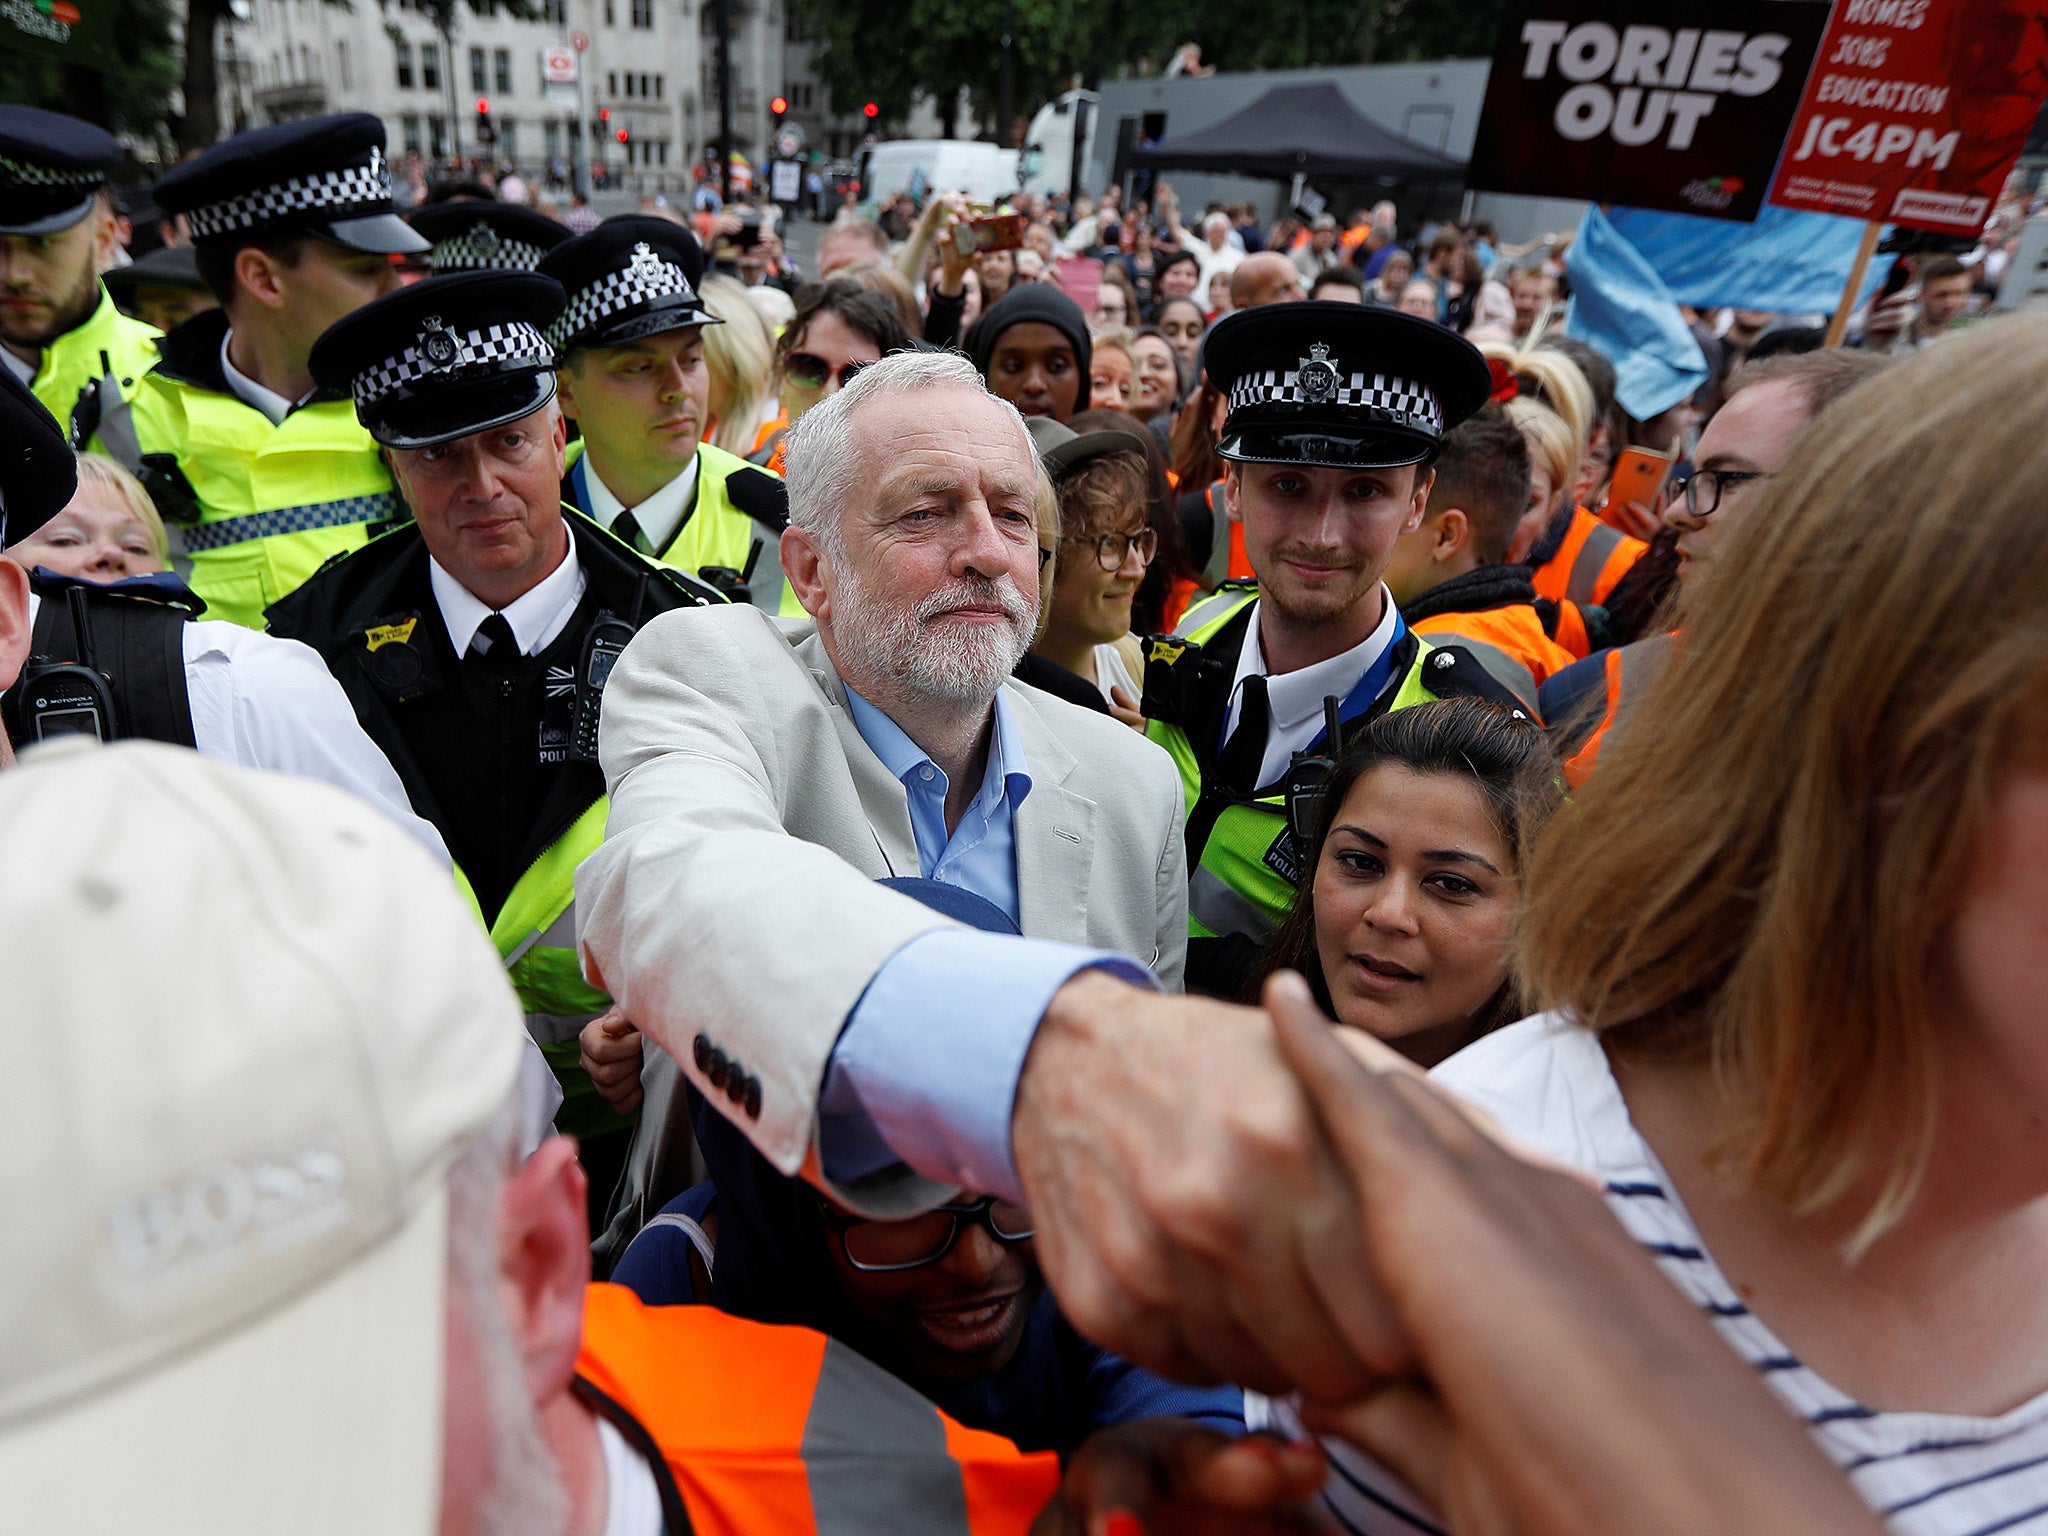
[{"x": 1916, "y": 110}]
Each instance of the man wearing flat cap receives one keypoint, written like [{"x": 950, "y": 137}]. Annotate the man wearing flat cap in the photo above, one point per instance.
[
  {"x": 1336, "y": 415},
  {"x": 60, "y": 333},
  {"x": 262, "y": 475},
  {"x": 475, "y": 641},
  {"x": 472, "y": 236},
  {"x": 634, "y": 380}
]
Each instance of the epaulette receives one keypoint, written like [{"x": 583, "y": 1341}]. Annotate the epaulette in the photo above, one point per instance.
[
  {"x": 1450, "y": 671},
  {"x": 761, "y": 496}
]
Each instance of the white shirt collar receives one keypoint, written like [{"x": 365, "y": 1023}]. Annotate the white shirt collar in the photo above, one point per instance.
[
  {"x": 26, "y": 372},
  {"x": 659, "y": 516},
  {"x": 537, "y": 616},
  {"x": 248, "y": 391},
  {"x": 1296, "y": 698}
]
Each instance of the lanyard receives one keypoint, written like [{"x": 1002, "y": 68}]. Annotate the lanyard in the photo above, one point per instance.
[{"x": 1368, "y": 688}]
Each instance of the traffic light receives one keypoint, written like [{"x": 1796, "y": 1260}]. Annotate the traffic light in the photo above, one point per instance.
[
  {"x": 485, "y": 133},
  {"x": 871, "y": 110},
  {"x": 777, "y": 107},
  {"x": 604, "y": 114},
  {"x": 624, "y": 135}
]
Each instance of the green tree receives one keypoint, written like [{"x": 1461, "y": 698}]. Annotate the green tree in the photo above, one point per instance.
[{"x": 132, "y": 95}]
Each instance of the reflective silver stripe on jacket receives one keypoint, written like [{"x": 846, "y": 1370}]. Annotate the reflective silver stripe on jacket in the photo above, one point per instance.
[
  {"x": 318, "y": 514},
  {"x": 1220, "y": 909},
  {"x": 858, "y": 1409},
  {"x": 1504, "y": 669},
  {"x": 1641, "y": 665},
  {"x": 552, "y": 1028},
  {"x": 1592, "y": 559}
]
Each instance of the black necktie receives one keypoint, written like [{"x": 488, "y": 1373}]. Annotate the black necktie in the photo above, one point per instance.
[
  {"x": 627, "y": 528},
  {"x": 1238, "y": 764},
  {"x": 494, "y": 642}
]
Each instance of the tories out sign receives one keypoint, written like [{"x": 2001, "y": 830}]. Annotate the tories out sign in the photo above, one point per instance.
[
  {"x": 1916, "y": 111},
  {"x": 1680, "y": 105}
]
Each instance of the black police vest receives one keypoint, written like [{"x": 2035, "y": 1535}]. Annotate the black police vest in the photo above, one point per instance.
[{"x": 106, "y": 662}]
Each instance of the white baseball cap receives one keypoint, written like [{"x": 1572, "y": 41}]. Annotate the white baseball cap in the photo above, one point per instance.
[{"x": 248, "y": 1024}]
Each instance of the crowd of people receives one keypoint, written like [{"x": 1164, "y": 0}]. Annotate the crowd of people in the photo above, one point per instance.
[{"x": 1077, "y": 873}]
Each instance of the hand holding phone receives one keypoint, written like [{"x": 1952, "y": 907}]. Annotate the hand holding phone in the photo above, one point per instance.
[{"x": 1634, "y": 491}]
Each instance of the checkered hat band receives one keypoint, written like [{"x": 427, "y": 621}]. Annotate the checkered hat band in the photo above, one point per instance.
[
  {"x": 617, "y": 292},
  {"x": 20, "y": 173},
  {"x": 1368, "y": 391},
  {"x": 517, "y": 343},
  {"x": 465, "y": 253},
  {"x": 354, "y": 193}
]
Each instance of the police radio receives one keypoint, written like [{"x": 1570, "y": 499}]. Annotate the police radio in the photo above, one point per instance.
[
  {"x": 1308, "y": 778},
  {"x": 602, "y": 647},
  {"x": 62, "y": 698}
]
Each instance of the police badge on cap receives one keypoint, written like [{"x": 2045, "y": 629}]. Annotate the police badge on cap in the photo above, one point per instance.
[
  {"x": 447, "y": 357},
  {"x": 632, "y": 276},
  {"x": 472, "y": 236},
  {"x": 1340, "y": 385}
]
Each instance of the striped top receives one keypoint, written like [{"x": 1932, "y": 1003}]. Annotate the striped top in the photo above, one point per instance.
[{"x": 1926, "y": 1474}]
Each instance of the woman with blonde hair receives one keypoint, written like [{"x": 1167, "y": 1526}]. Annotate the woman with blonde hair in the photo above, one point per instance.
[
  {"x": 1575, "y": 557},
  {"x": 1791, "y": 937},
  {"x": 740, "y": 357},
  {"x": 108, "y": 531}
]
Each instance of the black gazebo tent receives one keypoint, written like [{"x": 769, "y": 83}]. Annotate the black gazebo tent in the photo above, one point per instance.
[{"x": 1305, "y": 130}]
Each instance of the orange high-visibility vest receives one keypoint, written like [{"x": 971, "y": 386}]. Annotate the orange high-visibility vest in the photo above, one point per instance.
[
  {"x": 1590, "y": 561},
  {"x": 756, "y": 1429},
  {"x": 1571, "y": 630},
  {"x": 1629, "y": 670},
  {"x": 1508, "y": 641}
]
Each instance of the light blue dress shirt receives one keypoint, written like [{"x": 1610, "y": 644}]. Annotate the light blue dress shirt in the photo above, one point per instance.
[{"x": 925, "y": 1071}]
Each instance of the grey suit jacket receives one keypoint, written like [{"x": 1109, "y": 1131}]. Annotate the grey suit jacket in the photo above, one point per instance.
[{"x": 734, "y": 896}]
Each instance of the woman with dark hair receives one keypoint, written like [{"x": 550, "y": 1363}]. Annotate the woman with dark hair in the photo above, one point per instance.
[
  {"x": 1177, "y": 277},
  {"x": 1405, "y": 919},
  {"x": 1183, "y": 323},
  {"x": 839, "y": 328}
]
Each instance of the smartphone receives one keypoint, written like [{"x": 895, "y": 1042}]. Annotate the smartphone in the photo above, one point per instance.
[
  {"x": 990, "y": 232},
  {"x": 1638, "y": 477}
]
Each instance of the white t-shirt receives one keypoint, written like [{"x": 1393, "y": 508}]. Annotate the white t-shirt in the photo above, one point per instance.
[
  {"x": 1926, "y": 1474},
  {"x": 632, "y": 1497},
  {"x": 1112, "y": 672}
]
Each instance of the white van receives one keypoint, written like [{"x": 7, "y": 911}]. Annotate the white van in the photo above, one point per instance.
[
  {"x": 984, "y": 172},
  {"x": 1047, "y": 165}
]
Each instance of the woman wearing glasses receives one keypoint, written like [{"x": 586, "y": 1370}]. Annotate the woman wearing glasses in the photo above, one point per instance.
[
  {"x": 951, "y": 1301},
  {"x": 1745, "y": 445},
  {"x": 1106, "y": 545},
  {"x": 838, "y": 329}
]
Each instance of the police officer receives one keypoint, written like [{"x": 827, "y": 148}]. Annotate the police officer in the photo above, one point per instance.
[
  {"x": 125, "y": 660},
  {"x": 472, "y": 236},
  {"x": 60, "y": 333},
  {"x": 635, "y": 383},
  {"x": 1336, "y": 413},
  {"x": 475, "y": 641},
  {"x": 262, "y": 476}
]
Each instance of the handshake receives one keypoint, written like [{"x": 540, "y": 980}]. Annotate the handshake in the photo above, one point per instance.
[{"x": 1224, "y": 1193}]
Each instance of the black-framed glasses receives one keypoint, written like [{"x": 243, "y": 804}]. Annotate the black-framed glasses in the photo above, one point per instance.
[
  {"x": 1044, "y": 559},
  {"x": 1703, "y": 488},
  {"x": 883, "y": 1247},
  {"x": 1111, "y": 548},
  {"x": 807, "y": 370}
]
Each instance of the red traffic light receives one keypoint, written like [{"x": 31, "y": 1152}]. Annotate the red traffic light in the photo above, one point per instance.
[
  {"x": 604, "y": 114},
  {"x": 483, "y": 105},
  {"x": 871, "y": 110},
  {"x": 625, "y": 134},
  {"x": 778, "y": 106}
]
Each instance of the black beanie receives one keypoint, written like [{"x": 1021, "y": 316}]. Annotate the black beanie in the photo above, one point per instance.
[{"x": 1028, "y": 302}]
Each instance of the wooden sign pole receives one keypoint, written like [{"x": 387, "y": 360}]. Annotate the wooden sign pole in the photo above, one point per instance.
[{"x": 1839, "y": 326}]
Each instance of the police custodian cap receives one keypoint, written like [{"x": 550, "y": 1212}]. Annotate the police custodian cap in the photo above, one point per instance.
[
  {"x": 38, "y": 471},
  {"x": 472, "y": 236},
  {"x": 1341, "y": 386},
  {"x": 632, "y": 276},
  {"x": 325, "y": 176},
  {"x": 448, "y": 356},
  {"x": 50, "y": 167}
]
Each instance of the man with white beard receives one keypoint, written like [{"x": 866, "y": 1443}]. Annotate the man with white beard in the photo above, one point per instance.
[{"x": 767, "y": 773}]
